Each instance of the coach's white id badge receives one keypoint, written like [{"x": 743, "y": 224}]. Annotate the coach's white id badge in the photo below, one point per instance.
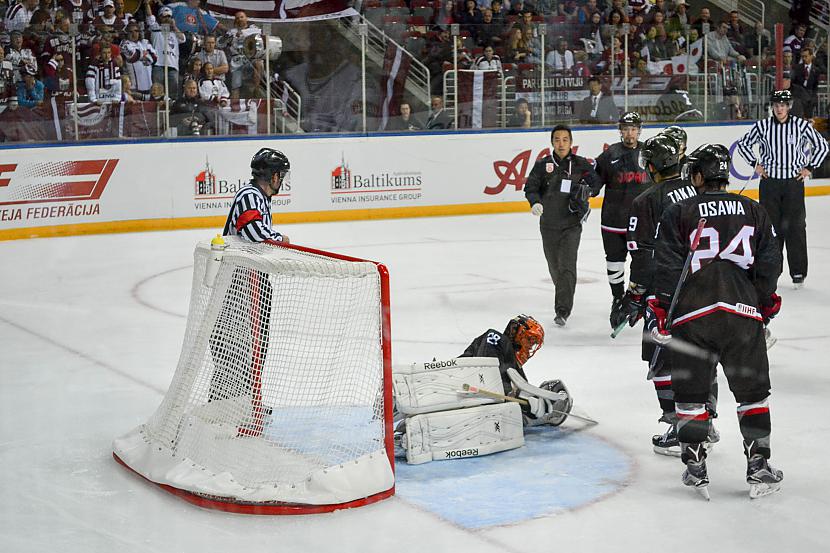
[{"x": 565, "y": 187}]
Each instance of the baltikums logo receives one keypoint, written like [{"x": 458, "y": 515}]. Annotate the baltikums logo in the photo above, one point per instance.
[
  {"x": 205, "y": 181},
  {"x": 341, "y": 176},
  {"x": 349, "y": 186},
  {"x": 211, "y": 191},
  {"x": 57, "y": 181}
]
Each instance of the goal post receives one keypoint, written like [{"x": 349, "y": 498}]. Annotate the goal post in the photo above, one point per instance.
[{"x": 281, "y": 402}]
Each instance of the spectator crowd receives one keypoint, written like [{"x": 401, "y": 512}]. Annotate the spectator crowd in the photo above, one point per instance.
[{"x": 180, "y": 53}]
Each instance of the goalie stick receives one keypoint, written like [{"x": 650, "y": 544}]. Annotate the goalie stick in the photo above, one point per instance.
[
  {"x": 653, "y": 366},
  {"x": 468, "y": 389}
]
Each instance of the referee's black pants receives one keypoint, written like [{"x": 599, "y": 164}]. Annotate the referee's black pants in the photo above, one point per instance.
[{"x": 784, "y": 201}]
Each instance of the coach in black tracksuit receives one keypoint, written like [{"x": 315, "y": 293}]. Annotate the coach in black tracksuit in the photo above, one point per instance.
[
  {"x": 558, "y": 189},
  {"x": 790, "y": 149}
]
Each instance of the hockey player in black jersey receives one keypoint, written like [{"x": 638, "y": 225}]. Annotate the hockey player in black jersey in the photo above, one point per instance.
[
  {"x": 624, "y": 180},
  {"x": 660, "y": 156},
  {"x": 520, "y": 340},
  {"x": 720, "y": 312}
]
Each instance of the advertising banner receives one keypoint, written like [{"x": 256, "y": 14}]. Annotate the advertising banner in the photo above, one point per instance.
[{"x": 166, "y": 182}]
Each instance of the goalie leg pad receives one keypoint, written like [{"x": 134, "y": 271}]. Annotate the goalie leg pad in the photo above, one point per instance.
[
  {"x": 460, "y": 433},
  {"x": 436, "y": 385}
]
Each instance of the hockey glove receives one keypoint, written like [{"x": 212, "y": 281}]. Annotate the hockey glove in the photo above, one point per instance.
[
  {"x": 771, "y": 307},
  {"x": 537, "y": 210},
  {"x": 633, "y": 304},
  {"x": 659, "y": 332}
]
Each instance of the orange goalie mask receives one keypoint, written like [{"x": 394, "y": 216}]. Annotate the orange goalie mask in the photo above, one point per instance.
[{"x": 527, "y": 336}]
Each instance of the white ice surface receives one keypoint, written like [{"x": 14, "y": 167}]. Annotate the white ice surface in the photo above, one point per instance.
[{"x": 90, "y": 331}]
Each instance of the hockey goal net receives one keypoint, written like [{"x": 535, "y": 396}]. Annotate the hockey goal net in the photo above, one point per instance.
[{"x": 281, "y": 401}]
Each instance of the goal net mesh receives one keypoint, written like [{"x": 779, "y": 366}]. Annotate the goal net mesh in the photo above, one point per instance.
[{"x": 280, "y": 384}]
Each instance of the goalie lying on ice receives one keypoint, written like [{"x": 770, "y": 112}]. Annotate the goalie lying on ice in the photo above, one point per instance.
[
  {"x": 454, "y": 408},
  {"x": 521, "y": 339}
]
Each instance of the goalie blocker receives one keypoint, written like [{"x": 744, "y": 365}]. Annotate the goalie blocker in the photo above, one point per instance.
[{"x": 443, "y": 422}]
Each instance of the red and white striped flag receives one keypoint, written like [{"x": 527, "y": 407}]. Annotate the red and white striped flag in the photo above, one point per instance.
[
  {"x": 275, "y": 10},
  {"x": 478, "y": 99},
  {"x": 395, "y": 71}
]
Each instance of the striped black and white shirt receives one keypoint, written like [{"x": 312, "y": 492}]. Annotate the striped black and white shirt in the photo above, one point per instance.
[
  {"x": 784, "y": 148},
  {"x": 250, "y": 216}
]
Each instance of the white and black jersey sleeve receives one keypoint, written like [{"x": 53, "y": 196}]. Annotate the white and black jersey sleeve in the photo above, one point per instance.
[{"x": 250, "y": 216}]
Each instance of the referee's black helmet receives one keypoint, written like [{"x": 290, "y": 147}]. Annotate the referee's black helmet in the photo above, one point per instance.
[
  {"x": 267, "y": 162},
  {"x": 781, "y": 97}
]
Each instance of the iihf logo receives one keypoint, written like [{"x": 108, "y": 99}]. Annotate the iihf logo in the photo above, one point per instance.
[
  {"x": 205, "y": 181},
  {"x": 341, "y": 176}
]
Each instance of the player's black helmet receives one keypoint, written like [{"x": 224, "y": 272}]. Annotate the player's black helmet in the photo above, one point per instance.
[
  {"x": 660, "y": 155},
  {"x": 678, "y": 134},
  {"x": 781, "y": 97},
  {"x": 267, "y": 162},
  {"x": 711, "y": 161},
  {"x": 630, "y": 118}
]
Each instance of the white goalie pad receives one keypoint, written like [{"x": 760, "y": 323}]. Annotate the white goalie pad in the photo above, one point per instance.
[
  {"x": 460, "y": 433},
  {"x": 436, "y": 385}
]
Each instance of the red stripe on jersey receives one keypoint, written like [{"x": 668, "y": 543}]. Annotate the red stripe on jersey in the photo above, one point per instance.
[
  {"x": 686, "y": 318},
  {"x": 247, "y": 217},
  {"x": 755, "y": 411},
  {"x": 666, "y": 384}
]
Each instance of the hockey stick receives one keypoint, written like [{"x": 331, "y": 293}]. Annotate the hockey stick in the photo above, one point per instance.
[
  {"x": 619, "y": 328},
  {"x": 467, "y": 389},
  {"x": 653, "y": 367}
]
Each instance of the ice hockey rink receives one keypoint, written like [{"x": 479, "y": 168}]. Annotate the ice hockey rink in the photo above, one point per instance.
[{"x": 90, "y": 333}]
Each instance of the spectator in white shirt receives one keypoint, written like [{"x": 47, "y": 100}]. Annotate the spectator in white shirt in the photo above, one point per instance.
[
  {"x": 140, "y": 56},
  {"x": 720, "y": 47},
  {"x": 560, "y": 60},
  {"x": 211, "y": 88},
  {"x": 489, "y": 61},
  {"x": 166, "y": 45}
]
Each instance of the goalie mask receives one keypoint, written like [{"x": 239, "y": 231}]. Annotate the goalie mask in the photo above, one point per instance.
[{"x": 527, "y": 336}]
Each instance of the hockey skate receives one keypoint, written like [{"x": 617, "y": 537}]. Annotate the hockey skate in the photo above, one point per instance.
[
  {"x": 762, "y": 478},
  {"x": 560, "y": 319},
  {"x": 798, "y": 283},
  {"x": 666, "y": 443},
  {"x": 696, "y": 476}
]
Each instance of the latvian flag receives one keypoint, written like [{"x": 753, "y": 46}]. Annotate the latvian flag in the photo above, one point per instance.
[
  {"x": 276, "y": 10},
  {"x": 478, "y": 99},
  {"x": 395, "y": 71}
]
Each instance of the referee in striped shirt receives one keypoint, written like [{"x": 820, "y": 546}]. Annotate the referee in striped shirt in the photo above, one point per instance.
[
  {"x": 250, "y": 214},
  {"x": 790, "y": 150},
  {"x": 252, "y": 298}
]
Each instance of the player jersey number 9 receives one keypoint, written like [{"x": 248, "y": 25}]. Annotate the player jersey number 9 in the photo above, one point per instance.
[{"x": 741, "y": 241}]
